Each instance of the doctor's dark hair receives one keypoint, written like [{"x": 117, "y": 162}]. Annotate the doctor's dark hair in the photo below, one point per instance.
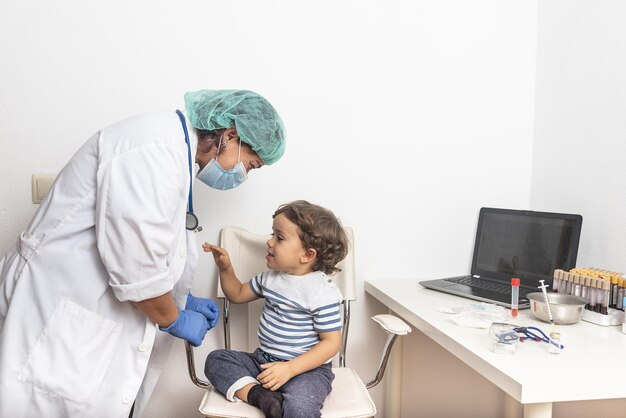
[
  {"x": 318, "y": 228},
  {"x": 209, "y": 136}
]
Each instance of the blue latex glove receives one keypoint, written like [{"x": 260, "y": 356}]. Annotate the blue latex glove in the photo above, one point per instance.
[
  {"x": 206, "y": 307},
  {"x": 190, "y": 325}
]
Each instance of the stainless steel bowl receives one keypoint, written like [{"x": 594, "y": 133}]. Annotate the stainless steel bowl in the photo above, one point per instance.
[{"x": 566, "y": 309}]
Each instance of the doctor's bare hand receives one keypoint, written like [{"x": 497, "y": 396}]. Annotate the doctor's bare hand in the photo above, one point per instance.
[
  {"x": 220, "y": 255},
  {"x": 275, "y": 375}
]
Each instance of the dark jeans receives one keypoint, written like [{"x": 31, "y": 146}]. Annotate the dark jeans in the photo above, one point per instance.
[{"x": 303, "y": 395}]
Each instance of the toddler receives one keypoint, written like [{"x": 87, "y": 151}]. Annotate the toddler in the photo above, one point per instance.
[{"x": 300, "y": 328}]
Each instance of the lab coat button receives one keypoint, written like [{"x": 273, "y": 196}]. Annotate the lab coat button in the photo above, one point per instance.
[
  {"x": 182, "y": 253},
  {"x": 142, "y": 347},
  {"x": 125, "y": 400}
]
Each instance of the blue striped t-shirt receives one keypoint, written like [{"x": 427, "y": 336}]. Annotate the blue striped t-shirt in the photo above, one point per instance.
[{"x": 297, "y": 309}]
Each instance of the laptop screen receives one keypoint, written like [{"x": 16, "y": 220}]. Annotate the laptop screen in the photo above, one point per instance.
[{"x": 525, "y": 244}]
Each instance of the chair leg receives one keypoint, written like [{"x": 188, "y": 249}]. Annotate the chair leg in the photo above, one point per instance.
[
  {"x": 383, "y": 364},
  {"x": 191, "y": 368},
  {"x": 393, "y": 384}
]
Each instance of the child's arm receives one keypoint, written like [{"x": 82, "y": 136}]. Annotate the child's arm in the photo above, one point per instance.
[
  {"x": 277, "y": 374},
  {"x": 231, "y": 286}
]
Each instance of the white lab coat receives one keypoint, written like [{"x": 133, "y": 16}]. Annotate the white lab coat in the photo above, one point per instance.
[{"x": 111, "y": 231}]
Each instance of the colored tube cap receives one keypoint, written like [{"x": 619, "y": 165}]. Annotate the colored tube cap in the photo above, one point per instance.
[{"x": 514, "y": 281}]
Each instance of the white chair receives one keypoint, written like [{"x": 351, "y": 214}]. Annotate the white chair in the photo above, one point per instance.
[{"x": 349, "y": 396}]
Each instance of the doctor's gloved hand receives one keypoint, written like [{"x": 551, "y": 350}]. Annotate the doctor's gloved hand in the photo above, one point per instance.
[
  {"x": 190, "y": 325},
  {"x": 206, "y": 307}
]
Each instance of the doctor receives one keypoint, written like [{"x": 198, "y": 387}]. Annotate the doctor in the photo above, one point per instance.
[{"x": 99, "y": 282}]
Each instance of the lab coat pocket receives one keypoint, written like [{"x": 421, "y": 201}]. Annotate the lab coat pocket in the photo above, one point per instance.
[{"x": 73, "y": 353}]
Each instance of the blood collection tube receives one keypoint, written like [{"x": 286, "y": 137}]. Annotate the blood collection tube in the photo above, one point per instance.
[
  {"x": 614, "y": 289},
  {"x": 624, "y": 324},
  {"x": 599, "y": 294},
  {"x": 568, "y": 287},
  {"x": 592, "y": 294},
  {"x": 606, "y": 291},
  {"x": 514, "y": 296},
  {"x": 577, "y": 288},
  {"x": 564, "y": 280},
  {"x": 556, "y": 280}
]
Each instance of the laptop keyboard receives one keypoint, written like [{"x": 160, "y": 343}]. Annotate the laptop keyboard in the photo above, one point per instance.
[{"x": 478, "y": 283}]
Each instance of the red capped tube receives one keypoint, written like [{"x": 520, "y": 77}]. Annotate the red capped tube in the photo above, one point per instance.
[{"x": 514, "y": 296}]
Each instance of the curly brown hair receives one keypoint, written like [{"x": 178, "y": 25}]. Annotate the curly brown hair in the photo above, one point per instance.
[{"x": 318, "y": 228}]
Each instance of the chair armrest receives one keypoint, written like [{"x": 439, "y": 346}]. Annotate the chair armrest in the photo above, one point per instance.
[
  {"x": 392, "y": 324},
  {"x": 394, "y": 327}
]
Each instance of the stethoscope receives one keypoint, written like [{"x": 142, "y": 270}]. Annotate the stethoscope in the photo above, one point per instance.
[
  {"x": 191, "y": 220},
  {"x": 508, "y": 337}
]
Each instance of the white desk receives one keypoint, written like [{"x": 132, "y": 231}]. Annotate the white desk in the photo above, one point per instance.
[{"x": 590, "y": 367}]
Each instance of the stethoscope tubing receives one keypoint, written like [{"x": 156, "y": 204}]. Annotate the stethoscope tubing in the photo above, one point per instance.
[{"x": 191, "y": 220}]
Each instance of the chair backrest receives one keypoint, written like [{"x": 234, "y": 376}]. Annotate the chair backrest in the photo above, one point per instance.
[{"x": 247, "y": 252}]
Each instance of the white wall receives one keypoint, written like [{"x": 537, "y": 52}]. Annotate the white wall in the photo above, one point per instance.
[
  {"x": 578, "y": 161},
  {"x": 403, "y": 117},
  {"x": 580, "y": 127}
]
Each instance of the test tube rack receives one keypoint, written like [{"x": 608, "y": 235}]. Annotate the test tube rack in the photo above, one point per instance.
[
  {"x": 613, "y": 317},
  {"x": 603, "y": 288}
]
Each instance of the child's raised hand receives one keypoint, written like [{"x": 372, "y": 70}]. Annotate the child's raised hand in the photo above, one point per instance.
[{"x": 220, "y": 255}]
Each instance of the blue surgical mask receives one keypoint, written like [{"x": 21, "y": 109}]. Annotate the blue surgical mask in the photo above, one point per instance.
[{"x": 214, "y": 176}]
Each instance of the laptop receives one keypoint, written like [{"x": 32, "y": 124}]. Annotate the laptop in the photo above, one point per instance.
[{"x": 515, "y": 243}]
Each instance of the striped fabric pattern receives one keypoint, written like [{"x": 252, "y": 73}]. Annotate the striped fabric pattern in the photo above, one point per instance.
[{"x": 297, "y": 309}]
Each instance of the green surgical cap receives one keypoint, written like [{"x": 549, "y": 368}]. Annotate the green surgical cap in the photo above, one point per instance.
[{"x": 257, "y": 122}]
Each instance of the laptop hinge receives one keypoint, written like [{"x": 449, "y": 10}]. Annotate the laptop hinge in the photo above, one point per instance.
[{"x": 476, "y": 276}]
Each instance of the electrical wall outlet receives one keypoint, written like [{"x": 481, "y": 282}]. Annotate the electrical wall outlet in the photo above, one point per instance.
[{"x": 41, "y": 185}]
